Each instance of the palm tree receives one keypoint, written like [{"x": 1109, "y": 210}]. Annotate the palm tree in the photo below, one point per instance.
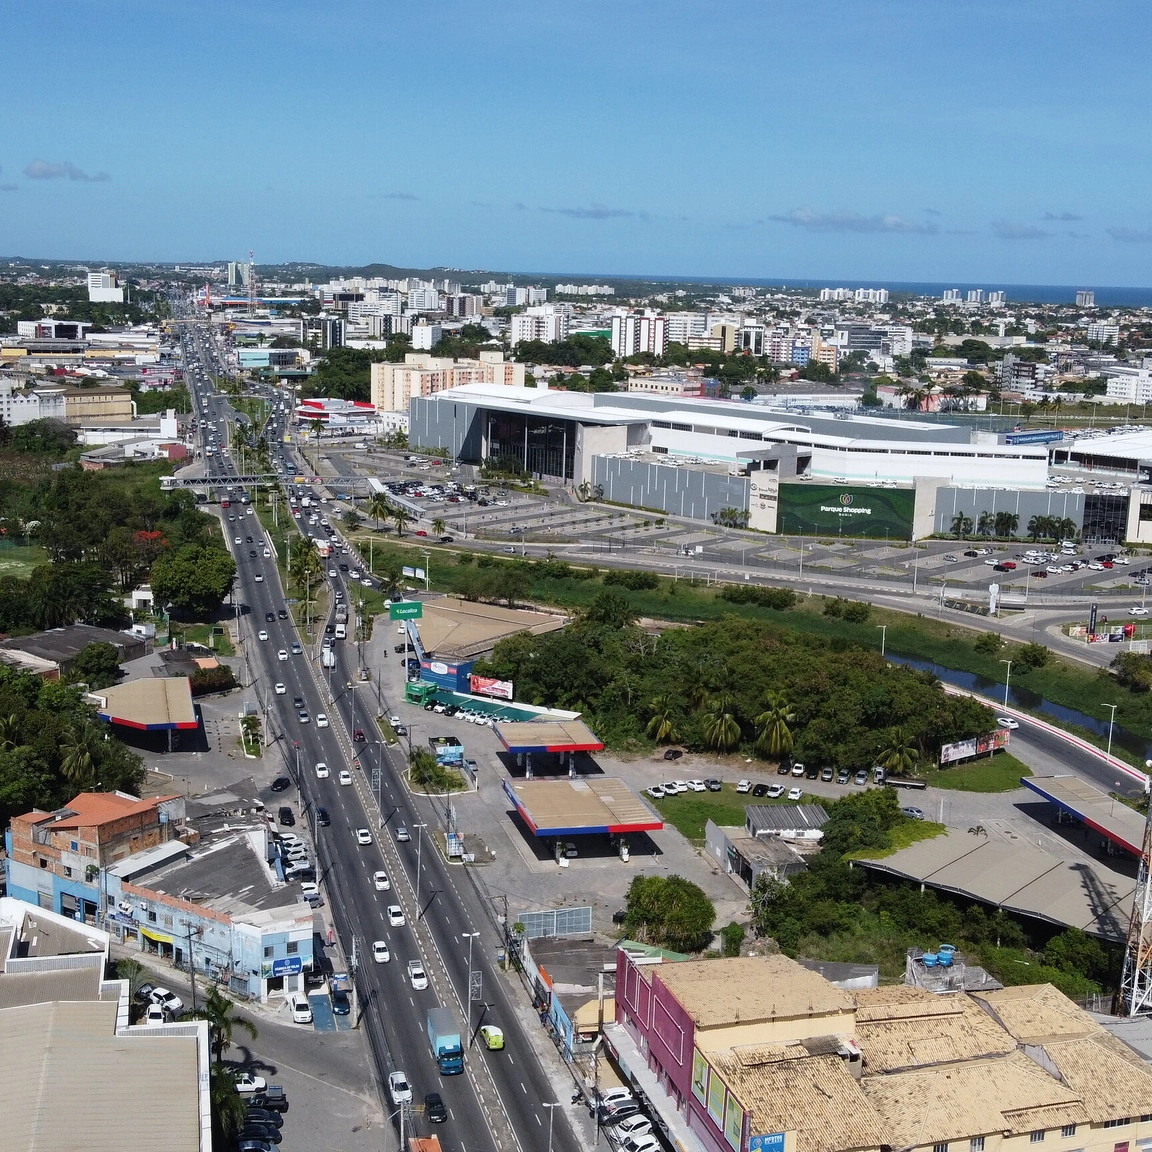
[
  {"x": 899, "y": 754},
  {"x": 984, "y": 524},
  {"x": 218, "y": 1010},
  {"x": 379, "y": 508},
  {"x": 401, "y": 517},
  {"x": 81, "y": 755},
  {"x": 438, "y": 526},
  {"x": 721, "y": 727},
  {"x": 9, "y": 731},
  {"x": 961, "y": 525},
  {"x": 773, "y": 734},
  {"x": 228, "y": 1106},
  {"x": 306, "y": 567},
  {"x": 662, "y": 726}
]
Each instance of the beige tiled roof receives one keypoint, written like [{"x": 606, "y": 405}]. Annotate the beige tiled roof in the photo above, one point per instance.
[
  {"x": 975, "y": 1098},
  {"x": 814, "y": 1096},
  {"x": 1112, "y": 1080},
  {"x": 909, "y": 1031},
  {"x": 744, "y": 989},
  {"x": 1034, "y": 1012}
]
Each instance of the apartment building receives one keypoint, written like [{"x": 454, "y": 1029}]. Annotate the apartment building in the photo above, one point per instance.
[
  {"x": 421, "y": 374},
  {"x": 1102, "y": 333},
  {"x": 545, "y": 322},
  {"x": 633, "y": 333},
  {"x": 760, "y": 1054},
  {"x": 103, "y": 288}
]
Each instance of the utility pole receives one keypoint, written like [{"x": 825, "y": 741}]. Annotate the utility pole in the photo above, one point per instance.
[{"x": 191, "y": 964}]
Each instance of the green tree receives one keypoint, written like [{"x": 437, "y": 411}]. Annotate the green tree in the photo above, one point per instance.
[
  {"x": 351, "y": 520},
  {"x": 669, "y": 911},
  {"x": 439, "y": 527},
  {"x": 220, "y": 1012},
  {"x": 721, "y": 726},
  {"x": 227, "y": 1106},
  {"x": 662, "y": 725},
  {"x": 194, "y": 578},
  {"x": 401, "y": 517},
  {"x": 899, "y": 754},
  {"x": 610, "y": 609},
  {"x": 773, "y": 731},
  {"x": 98, "y": 665},
  {"x": 379, "y": 508}
]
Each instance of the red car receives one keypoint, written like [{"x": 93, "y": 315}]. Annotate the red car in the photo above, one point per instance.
[
  {"x": 358, "y": 736},
  {"x": 421, "y": 532}
]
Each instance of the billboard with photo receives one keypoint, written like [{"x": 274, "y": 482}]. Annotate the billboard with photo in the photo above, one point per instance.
[
  {"x": 487, "y": 686},
  {"x": 836, "y": 510},
  {"x": 984, "y": 745}
]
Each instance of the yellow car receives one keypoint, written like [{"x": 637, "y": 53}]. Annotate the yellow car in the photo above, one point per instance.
[{"x": 492, "y": 1037}]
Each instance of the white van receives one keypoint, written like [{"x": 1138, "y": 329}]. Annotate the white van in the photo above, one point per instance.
[
  {"x": 341, "y": 631},
  {"x": 328, "y": 658}
]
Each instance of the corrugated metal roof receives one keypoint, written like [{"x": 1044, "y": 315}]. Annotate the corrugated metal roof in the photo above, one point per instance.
[
  {"x": 74, "y": 984},
  {"x": 784, "y": 817}
]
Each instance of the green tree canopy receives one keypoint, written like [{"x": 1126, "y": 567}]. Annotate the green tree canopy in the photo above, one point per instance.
[
  {"x": 98, "y": 665},
  {"x": 669, "y": 911},
  {"x": 193, "y": 579}
]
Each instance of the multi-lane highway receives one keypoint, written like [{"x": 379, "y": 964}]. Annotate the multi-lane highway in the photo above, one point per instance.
[{"x": 499, "y": 1101}]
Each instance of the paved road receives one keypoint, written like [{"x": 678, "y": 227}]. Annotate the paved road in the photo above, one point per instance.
[{"x": 498, "y": 1101}]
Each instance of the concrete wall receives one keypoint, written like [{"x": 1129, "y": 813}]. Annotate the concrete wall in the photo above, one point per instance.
[
  {"x": 593, "y": 440},
  {"x": 457, "y": 427},
  {"x": 678, "y": 491}
]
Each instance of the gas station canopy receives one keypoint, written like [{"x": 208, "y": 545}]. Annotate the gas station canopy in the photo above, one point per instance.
[
  {"x": 527, "y": 736},
  {"x": 154, "y": 705},
  {"x": 580, "y": 806}
]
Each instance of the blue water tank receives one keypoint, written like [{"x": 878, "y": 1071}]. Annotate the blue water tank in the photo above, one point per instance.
[
  {"x": 949, "y": 948},
  {"x": 930, "y": 959},
  {"x": 945, "y": 959}
]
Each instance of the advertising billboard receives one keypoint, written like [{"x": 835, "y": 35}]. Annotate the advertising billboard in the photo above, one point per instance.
[
  {"x": 717, "y": 1097},
  {"x": 406, "y": 610},
  {"x": 487, "y": 686},
  {"x": 837, "y": 510},
  {"x": 984, "y": 745}
]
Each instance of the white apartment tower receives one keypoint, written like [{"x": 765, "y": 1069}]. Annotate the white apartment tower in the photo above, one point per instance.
[
  {"x": 632, "y": 334},
  {"x": 103, "y": 288}
]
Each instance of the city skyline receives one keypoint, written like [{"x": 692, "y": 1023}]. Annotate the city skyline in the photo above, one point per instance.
[{"x": 883, "y": 141}]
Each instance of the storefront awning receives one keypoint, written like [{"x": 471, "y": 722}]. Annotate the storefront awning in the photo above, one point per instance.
[{"x": 157, "y": 937}]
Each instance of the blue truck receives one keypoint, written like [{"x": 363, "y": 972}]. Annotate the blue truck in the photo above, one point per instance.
[{"x": 444, "y": 1037}]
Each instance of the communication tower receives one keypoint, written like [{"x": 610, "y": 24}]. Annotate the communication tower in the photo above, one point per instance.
[
  {"x": 1134, "y": 997},
  {"x": 251, "y": 283}
]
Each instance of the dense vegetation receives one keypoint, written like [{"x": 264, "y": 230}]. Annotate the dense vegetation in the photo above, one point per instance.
[
  {"x": 837, "y": 912},
  {"x": 735, "y": 684},
  {"x": 101, "y": 532},
  {"x": 52, "y": 746},
  {"x": 669, "y": 911}
]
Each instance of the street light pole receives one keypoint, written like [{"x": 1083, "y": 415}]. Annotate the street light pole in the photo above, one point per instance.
[
  {"x": 419, "y": 847},
  {"x": 1111, "y": 721},
  {"x": 883, "y": 636},
  {"x": 1007, "y": 679},
  {"x": 551, "y": 1113}
]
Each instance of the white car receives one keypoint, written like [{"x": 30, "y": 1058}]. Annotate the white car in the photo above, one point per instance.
[
  {"x": 381, "y": 882},
  {"x": 279, "y": 689},
  {"x": 345, "y": 777},
  {"x": 1094, "y": 567},
  {"x": 169, "y": 1001},
  {"x": 656, "y": 792},
  {"x": 775, "y": 791},
  {"x": 354, "y": 574},
  {"x": 634, "y": 1126},
  {"x": 246, "y": 1082},
  {"x": 395, "y": 916},
  {"x": 697, "y": 786},
  {"x": 399, "y": 1088},
  {"x": 363, "y": 836},
  {"x": 332, "y": 573},
  {"x": 1007, "y": 722},
  {"x": 795, "y": 793},
  {"x": 282, "y": 654},
  {"x": 1138, "y": 611},
  {"x": 239, "y": 541},
  {"x": 417, "y": 975},
  {"x": 380, "y": 951},
  {"x": 322, "y": 772},
  {"x": 259, "y": 578},
  {"x": 744, "y": 786},
  {"x": 321, "y": 720},
  {"x": 309, "y": 888},
  {"x": 261, "y": 635},
  {"x": 300, "y": 1008}
]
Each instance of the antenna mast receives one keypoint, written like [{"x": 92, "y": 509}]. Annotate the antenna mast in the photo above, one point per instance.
[
  {"x": 1134, "y": 997},
  {"x": 251, "y": 283}
]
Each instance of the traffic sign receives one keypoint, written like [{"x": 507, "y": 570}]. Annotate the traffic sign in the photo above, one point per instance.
[{"x": 406, "y": 610}]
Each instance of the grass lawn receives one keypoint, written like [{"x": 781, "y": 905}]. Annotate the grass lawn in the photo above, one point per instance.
[
  {"x": 999, "y": 773},
  {"x": 202, "y": 634},
  {"x": 20, "y": 559},
  {"x": 688, "y": 812}
]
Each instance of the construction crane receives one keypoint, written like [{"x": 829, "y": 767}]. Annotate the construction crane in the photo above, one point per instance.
[
  {"x": 251, "y": 283},
  {"x": 1134, "y": 996}
]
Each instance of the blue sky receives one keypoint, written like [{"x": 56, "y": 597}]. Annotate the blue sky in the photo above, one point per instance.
[{"x": 1001, "y": 141}]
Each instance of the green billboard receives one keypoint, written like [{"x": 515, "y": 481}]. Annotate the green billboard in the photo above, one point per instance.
[
  {"x": 406, "y": 610},
  {"x": 846, "y": 510}
]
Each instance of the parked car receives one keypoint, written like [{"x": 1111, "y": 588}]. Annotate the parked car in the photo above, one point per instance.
[
  {"x": 775, "y": 792},
  {"x": 299, "y": 1008},
  {"x": 169, "y": 1001},
  {"x": 271, "y": 1098},
  {"x": 246, "y": 1082},
  {"x": 795, "y": 793},
  {"x": 861, "y": 777},
  {"x": 281, "y": 784},
  {"x": 714, "y": 785},
  {"x": 760, "y": 790},
  {"x": 264, "y": 1116},
  {"x": 842, "y": 776},
  {"x": 672, "y": 753},
  {"x": 913, "y": 813},
  {"x": 399, "y": 1089},
  {"x": 744, "y": 786}
]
